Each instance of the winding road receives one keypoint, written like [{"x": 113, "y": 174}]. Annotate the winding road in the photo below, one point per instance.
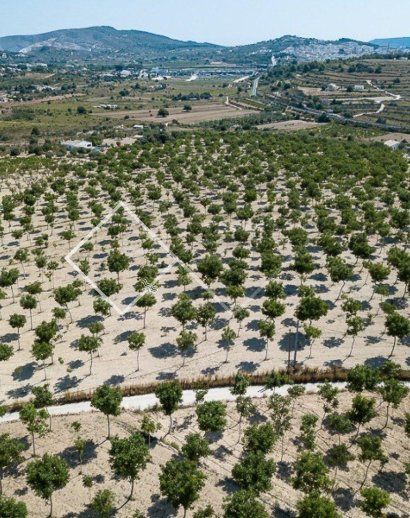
[{"x": 395, "y": 97}]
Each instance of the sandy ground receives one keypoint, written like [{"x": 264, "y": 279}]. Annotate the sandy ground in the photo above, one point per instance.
[
  {"x": 226, "y": 450},
  {"x": 293, "y": 125},
  {"x": 199, "y": 113}
]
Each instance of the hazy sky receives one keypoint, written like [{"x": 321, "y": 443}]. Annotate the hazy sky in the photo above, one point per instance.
[{"x": 218, "y": 21}]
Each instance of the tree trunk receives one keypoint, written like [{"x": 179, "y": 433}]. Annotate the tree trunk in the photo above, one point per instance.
[
  {"x": 51, "y": 506},
  {"x": 341, "y": 290},
  {"x": 108, "y": 426},
  {"x": 365, "y": 477},
  {"x": 69, "y": 312},
  {"x": 295, "y": 350},
  {"x": 34, "y": 444},
  {"x": 387, "y": 416},
  {"x": 91, "y": 363},
  {"x": 227, "y": 353},
  {"x": 351, "y": 349},
  {"x": 132, "y": 489},
  {"x": 266, "y": 350},
  {"x": 138, "y": 360},
  {"x": 283, "y": 447},
  {"x": 394, "y": 346}
]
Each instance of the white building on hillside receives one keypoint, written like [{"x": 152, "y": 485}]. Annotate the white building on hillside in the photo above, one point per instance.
[{"x": 77, "y": 144}]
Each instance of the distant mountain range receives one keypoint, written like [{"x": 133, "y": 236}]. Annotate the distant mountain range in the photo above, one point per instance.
[
  {"x": 109, "y": 44},
  {"x": 96, "y": 41},
  {"x": 395, "y": 43}
]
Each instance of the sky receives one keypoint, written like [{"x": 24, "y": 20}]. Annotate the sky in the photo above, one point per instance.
[{"x": 226, "y": 22}]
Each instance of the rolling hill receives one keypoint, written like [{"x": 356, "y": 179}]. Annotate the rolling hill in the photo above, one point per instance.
[
  {"x": 108, "y": 44},
  {"x": 396, "y": 43},
  {"x": 97, "y": 40}
]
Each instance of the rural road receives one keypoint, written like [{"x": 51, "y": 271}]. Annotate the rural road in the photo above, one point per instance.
[
  {"x": 147, "y": 401},
  {"x": 395, "y": 97}
]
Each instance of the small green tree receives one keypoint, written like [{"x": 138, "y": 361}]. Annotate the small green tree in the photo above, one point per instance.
[
  {"x": 103, "y": 503},
  {"x": 108, "y": 401},
  {"x": 393, "y": 392},
  {"x": 35, "y": 421},
  {"x": 170, "y": 397},
  {"x": 43, "y": 398},
  {"x": 195, "y": 447},
  {"x": 311, "y": 473},
  {"x": 371, "y": 450},
  {"x": 10, "y": 455},
  {"x": 135, "y": 342},
  {"x": 181, "y": 482},
  {"x": 17, "y": 322},
  {"x": 254, "y": 472},
  {"x": 317, "y": 506},
  {"x": 397, "y": 326},
  {"x": 149, "y": 426},
  {"x": 11, "y": 508},
  {"x": 211, "y": 416},
  {"x": 145, "y": 302},
  {"x": 260, "y": 437},
  {"x": 128, "y": 457},
  {"x": 186, "y": 341},
  {"x": 47, "y": 475},
  {"x": 90, "y": 345},
  {"x": 362, "y": 411},
  {"x": 228, "y": 336},
  {"x": 374, "y": 501},
  {"x": 243, "y": 504}
]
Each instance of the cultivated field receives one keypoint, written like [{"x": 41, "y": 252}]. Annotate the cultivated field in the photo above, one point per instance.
[
  {"x": 254, "y": 232},
  {"x": 226, "y": 449}
]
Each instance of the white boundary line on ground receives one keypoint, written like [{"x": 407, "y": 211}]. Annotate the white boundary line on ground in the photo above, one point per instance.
[{"x": 155, "y": 238}]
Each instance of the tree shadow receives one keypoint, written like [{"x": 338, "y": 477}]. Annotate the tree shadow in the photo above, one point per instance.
[
  {"x": 84, "y": 322},
  {"x": 284, "y": 470},
  {"x": 253, "y": 325},
  {"x": 24, "y": 372},
  {"x": 377, "y": 361},
  {"x": 70, "y": 454},
  {"x": 165, "y": 350},
  {"x": 66, "y": 383},
  {"x": 122, "y": 337},
  {"x": 166, "y": 376},
  {"x": 222, "y": 452},
  {"x": 247, "y": 366},
  {"x": 115, "y": 379},
  {"x": 20, "y": 392},
  {"x": 344, "y": 498},
  {"x": 391, "y": 481},
  {"x": 75, "y": 364},
  {"x": 255, "y": 344},
  {"x": 228, "y": 485},
  {"x": 160, "y": 508},
  {"x": 210, "y": 371},
  {"x": 9, "y": 338},
  {"x": 333, "y": 342}
]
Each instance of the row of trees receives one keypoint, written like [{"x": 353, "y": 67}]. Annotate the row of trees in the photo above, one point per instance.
[{"x": 343, "y": 435}]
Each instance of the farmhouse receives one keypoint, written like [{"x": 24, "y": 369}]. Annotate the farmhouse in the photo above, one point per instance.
[
  {"x": 77, "y": 144},
  {"x": 332, "y": 87},
  {"x": 392, "y": 144}
]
